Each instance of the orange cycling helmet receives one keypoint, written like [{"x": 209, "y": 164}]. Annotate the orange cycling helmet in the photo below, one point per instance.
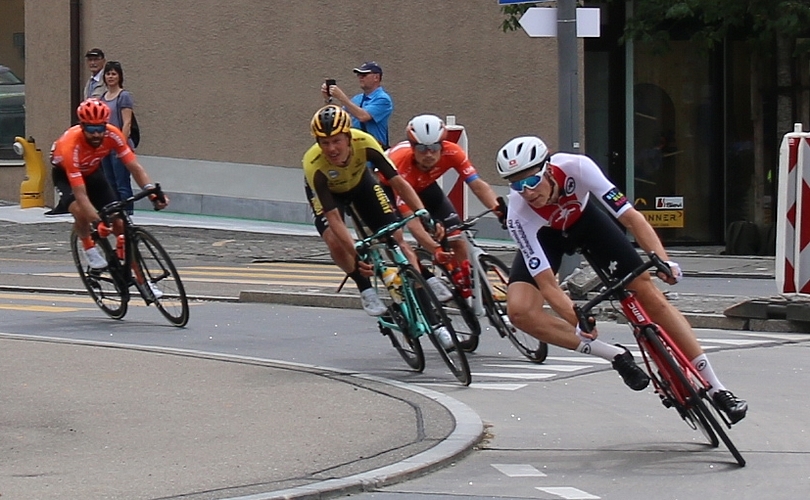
[
  {"x": 330, "y": 120},
  {"x": 93, "y": 112}
]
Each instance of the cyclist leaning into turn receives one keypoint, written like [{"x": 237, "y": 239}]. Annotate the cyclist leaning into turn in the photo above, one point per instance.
[
  {"x": 76, "y": 157},
  {"x": 550, "y": 214},
  {"x": 422, "y": 159},
  {"x": 336, "y": 177}
]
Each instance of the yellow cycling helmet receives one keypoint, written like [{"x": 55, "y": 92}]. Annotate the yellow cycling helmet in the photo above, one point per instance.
[{"x": 330, "y": 120}]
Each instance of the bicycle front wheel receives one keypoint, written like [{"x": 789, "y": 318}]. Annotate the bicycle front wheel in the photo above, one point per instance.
[
  {"x": 493, "y": 287},
  {"x": 106, "y": 289},
  {"x": 157, "y": 268},
  {"x": 695, "y": 396},
  {"x": 408, "y": 346},
  {"x": 465, "y": 322},
  {"x": 431, "y": 313}
]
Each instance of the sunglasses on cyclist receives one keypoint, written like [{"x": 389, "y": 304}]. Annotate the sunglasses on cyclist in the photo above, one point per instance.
[
  {"x": 424, "y": 148},
  {"x": 94, "y": 129},
  {"x": 527, "y": 183}
]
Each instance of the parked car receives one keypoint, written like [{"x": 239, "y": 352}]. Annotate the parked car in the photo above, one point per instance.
[{"x": 12, "y": 111}]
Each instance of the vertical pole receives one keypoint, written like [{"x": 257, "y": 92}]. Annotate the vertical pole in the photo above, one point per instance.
[
  {"x": 568, "y": 114},
  {"x": 568, "y": 60}
]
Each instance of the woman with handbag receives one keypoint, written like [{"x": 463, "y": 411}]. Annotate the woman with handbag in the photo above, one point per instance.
[{"x": 121, "y": 115}]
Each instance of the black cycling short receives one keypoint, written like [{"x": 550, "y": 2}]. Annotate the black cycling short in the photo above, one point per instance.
[
  {"x": 368, "y": 199},
  {"x": 596, "y": 231},
  {"x": 438, "y": 204},
  {"x": 99, "y": 190}
]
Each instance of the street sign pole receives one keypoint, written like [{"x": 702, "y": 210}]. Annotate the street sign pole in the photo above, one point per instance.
[{"x": 568, "y": 93}]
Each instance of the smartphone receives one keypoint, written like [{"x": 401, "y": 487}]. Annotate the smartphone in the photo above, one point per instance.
[{"x": 329, "y": 83}]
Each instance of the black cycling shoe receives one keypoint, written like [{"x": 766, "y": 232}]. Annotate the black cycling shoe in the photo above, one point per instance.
[
  {"x": 634, "y": 377},
  {"x": 731, "y": 405}
]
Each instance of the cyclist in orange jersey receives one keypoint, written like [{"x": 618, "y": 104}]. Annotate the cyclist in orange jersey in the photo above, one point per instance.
[
  {"x": 76, "y": 158},
  {"x": 421, "y": 160}
]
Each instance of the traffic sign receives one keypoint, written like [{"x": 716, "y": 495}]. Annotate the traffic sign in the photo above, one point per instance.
[{"x": 542, "y": 22}]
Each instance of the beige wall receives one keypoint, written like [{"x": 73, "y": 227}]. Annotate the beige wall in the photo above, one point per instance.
[{"x": 238, "y": 81}]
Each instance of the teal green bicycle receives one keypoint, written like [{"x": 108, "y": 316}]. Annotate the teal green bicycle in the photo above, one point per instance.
[{"x": 413, "y": 309}]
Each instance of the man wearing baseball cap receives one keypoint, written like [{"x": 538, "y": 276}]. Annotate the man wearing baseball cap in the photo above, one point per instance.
[
  {"x": 371, "y": 109},
  {"x": 95, "y": 86}
]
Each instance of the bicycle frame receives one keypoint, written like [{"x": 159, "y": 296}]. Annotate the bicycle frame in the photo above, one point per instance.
[
  {"x": 374, "y": 246},
  {"x": 478, "y": 278}
]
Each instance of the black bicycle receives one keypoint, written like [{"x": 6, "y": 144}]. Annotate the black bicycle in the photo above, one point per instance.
[{"x": 138, "y": 261}]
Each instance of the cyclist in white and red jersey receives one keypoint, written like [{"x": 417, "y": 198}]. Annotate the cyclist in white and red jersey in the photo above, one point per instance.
[
  {"x": 551, "y": 213},
  {"x": 76, "y": 157}
]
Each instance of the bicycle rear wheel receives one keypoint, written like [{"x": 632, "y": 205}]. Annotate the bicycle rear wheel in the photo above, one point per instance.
[
  {"x": 157, "y": 268},
  {"x": 695, "y": 400},
  {"x": 106, "y": 289},
  {"x": 496, "y": 274},
  {"x": 461, "y": 315},
  {"x": 431, "y": 312}
]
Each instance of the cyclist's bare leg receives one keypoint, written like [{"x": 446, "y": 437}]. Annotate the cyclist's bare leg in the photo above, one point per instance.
[
  {"x": 407, "y": 249},
  {"x": 343, "y": 255},
  {"x": 459, "y": 248},
  {"x": 525, "y": 305}
]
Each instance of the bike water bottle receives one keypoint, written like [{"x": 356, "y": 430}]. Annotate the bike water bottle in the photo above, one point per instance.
[
  {"x": 119, "y": 246},
  {"x": 393, "y": 282}
]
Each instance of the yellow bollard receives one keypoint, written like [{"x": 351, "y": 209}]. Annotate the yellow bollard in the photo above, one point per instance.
[{"x": 32, "y": 189}]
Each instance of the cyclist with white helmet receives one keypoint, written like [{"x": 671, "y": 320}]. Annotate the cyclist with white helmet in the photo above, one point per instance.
[
  {"x": 550, "y": 214},
  {"x": 425, "y": 157},
  {"x": 336, "y": 177}
]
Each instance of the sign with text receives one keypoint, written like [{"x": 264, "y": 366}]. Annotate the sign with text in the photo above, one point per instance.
[{"x": 663, "y": 218}]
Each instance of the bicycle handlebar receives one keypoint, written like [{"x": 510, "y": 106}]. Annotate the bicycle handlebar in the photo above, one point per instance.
[
  {"x": 364, "y": 244},
  {"x": 121, "y": 205},
  {"x": 618, "y": 288},
  {"x": 467, "y": 223}
]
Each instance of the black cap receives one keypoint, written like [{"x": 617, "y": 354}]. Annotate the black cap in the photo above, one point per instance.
[{"x": 95, "y": 53}]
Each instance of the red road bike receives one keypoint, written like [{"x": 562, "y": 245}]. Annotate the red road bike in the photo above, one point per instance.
[{"x": 675, "y": 380}]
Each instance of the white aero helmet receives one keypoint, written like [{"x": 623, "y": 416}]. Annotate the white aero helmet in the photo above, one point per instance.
[
  {"x": 426, "y": 129},
  {"x": 522, "y": 153}
]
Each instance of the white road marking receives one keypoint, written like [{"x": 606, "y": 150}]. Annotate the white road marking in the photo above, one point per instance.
[
  {"x": 518, "y": 470},
  {"x": 584, "y": 359},
  {"x": 497, "y": 387},
  {"x": 519, "y": 376},
  {"x": 569, "y": 493},
  {"x": 525, "y": 366}
]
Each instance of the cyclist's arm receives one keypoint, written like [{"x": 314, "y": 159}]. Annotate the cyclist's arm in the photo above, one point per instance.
[
  {"x": 143, "y": 180},
  {"x": 483, "y": 192},
  {"x": 400, "y": 185},
  {"x": 643, "y": 232}
]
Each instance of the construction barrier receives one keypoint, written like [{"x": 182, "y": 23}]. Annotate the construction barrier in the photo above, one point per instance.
[
  {"x": 793, "y": 214},
  {"x": 451, "y": 183}
]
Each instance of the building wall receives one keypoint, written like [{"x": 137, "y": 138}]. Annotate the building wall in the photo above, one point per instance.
[{"x": 239, "y": 84}]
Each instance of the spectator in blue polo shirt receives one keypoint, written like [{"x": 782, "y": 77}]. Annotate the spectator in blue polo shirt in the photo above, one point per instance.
[{"x": 371, "y": 109}]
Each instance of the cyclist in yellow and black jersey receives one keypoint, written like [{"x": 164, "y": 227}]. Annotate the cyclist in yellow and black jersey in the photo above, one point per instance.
[{"x": 336, "y": 177}]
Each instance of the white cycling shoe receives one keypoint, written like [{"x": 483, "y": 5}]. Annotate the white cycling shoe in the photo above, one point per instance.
[
  {"x": 439, "y": 289},
  {"x": 372, "y": 303},
  {"x": 445, "y": 339},
  {"x": 95, "y": 259}
]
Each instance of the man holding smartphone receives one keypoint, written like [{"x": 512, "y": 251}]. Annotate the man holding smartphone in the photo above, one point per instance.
[{"x": 371, "y": 109}]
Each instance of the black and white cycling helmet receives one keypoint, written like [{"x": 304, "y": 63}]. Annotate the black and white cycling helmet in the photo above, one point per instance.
[
  {"x": 426, "y": 129},
  {"x": 522, "y": 153}
]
